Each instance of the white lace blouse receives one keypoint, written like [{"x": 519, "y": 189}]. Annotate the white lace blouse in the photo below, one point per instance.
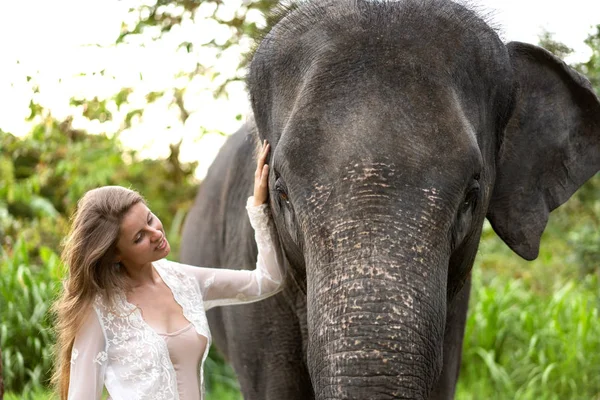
[{"x": 116, "y": 348}]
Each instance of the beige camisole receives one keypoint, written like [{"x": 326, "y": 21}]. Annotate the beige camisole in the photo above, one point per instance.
[{"x": 186, "y": 348}]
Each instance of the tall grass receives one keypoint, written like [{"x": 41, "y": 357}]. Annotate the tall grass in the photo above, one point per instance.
[
  {"x": 37, "y": 394},
  {"x": 523, "y": 345},
  {"x": 26, "y": 294}
]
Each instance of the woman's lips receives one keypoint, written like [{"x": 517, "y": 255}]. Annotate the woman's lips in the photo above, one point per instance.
[{"x": 163, "y": 244}]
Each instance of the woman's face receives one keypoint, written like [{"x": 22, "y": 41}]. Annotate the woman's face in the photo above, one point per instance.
[{"x": 141, "y": 238}]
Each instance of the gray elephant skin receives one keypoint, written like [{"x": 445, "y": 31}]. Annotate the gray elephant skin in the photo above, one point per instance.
[{"x": 396, "y": 129}]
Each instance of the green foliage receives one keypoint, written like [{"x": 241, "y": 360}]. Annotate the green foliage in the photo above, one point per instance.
[
  {"x": 581, "y": 219},
  {"x": 586, "y": 240},
  {"x": 224, "y": 393},
  {"x": 96, "y": 109},
  {"x": 569, "y": 247},
  {"x": 557, "y": 48},
  {"x": 221, "y": 382},
  {"x": 27, "y": 290},
  {"x": 591, "y": 68},
  {"x": 46, "y": 172},
  {"x": 533, "y": 327},
  {"x": 522, "y": 345},
  {"x": 31, "y": 395},
  {"x": 160, "y": 16},
  {"x": 158, "y": 20}
]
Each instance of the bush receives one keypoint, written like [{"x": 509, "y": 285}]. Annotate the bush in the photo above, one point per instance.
[
  {"x": 31, "y": 395},
  {"x": 45, "y": 173},
  {"x": 26, "y": 336},
  {"x": 519, "y": 345}
]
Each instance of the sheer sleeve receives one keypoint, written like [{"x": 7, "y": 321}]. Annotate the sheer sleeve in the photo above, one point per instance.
[
  {"x": 88, "y": 360},
  {"x": 221, "y": 287}
]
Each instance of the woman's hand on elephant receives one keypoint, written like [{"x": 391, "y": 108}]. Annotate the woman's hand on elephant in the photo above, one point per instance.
[{"x": 261, "y": 188}]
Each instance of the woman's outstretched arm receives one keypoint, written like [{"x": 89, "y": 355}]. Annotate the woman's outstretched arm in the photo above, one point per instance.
[{"x": 226, "y": 286}]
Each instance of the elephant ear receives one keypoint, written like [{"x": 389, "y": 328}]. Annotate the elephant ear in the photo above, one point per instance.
[{"x": 551, "y": 146}]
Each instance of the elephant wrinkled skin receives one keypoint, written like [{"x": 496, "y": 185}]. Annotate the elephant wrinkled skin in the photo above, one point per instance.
[{"x": 396, "y": 129}]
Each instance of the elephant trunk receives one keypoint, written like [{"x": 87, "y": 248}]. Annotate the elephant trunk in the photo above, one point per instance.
[{"x": 376, "y": 316}]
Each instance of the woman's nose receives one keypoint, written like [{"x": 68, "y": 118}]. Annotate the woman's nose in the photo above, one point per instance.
[{"x": 156, "y": 234}]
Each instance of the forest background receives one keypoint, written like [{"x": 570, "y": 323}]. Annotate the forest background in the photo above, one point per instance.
[{"x": 533, "y": 330}]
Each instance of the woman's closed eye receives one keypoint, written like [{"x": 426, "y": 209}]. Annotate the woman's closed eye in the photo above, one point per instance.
[{"x": 140, "y": 236}]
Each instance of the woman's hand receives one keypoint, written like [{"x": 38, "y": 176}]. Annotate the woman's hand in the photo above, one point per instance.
[{"x": 261, "y": 176}]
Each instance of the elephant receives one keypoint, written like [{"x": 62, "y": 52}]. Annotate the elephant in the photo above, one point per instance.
[{"x": 396, "y": 129}]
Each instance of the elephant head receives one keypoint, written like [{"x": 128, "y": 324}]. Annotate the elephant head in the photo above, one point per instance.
[{"x": 396, "y": 128}]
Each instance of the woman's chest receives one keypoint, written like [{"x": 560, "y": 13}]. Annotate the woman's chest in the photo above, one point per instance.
[{"x": 159, "y": 309}]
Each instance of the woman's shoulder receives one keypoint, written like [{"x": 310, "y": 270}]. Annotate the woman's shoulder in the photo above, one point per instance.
[
  {"x": 168, "y": 268},
  {"x": 169, "y": 265},
  {"x": 115, "y": 304},
  {"x": 164, "y": 265},
  {"x": 163, "y": 262}
]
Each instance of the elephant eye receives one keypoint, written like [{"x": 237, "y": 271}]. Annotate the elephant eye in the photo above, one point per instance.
[
  {"x": 470, "y": 200},
  {"x": 281, "y": 190}
]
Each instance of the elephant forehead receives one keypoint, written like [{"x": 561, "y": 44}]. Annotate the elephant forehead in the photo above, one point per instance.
[
  {"x": 332, "y": 78},
  {"x": 416, "y": 141},
  {"x": 345, "y": 39}
]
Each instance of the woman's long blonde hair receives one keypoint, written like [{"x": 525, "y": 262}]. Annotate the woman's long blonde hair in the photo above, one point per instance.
[{"x": 89, "y": 253}]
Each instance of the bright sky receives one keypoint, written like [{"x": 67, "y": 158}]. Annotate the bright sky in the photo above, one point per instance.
[{"x": 47, "y": 40}]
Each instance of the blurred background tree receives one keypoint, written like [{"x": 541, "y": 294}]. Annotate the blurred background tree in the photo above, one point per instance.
[
  {"x": 43, "y": 173},
  {"x": 589, "y": 68}
]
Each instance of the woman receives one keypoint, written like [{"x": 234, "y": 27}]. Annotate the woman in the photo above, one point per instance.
[{"x": 133, "y": 322}]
